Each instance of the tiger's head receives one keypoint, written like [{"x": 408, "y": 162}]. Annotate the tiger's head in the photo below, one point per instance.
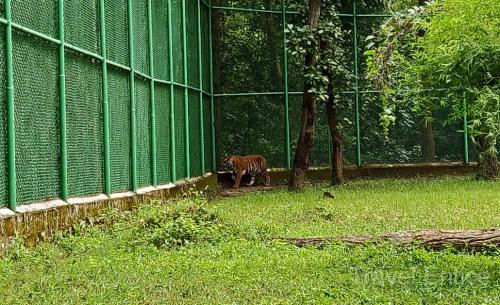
[{"x": 229, "y": 162}]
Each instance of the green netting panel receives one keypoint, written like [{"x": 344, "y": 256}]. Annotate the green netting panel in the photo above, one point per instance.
[
  {"x": 251, "y": 52},
  {"x": 180, "y": 135},
  {"x": 143, "y": 131},
  {"x": 194, "y": 130},
  {"x": 192, "y": 43},
  {"x": 177, "y": 41},
  {"x": 84, "y": 124},
  {"x": 81, "y": 26},
  {"x": 160, "y": 39},
  {"x": 3, "y": 127},
  {"x": 253, "y": 125},
  {"x": 448, "y": 138},
  {"x": 40, "y": 15},
  {"x": 119, "y": 121},
  {"x": 2, "y": 8},
  {"x": 407, "y": 141},
  {"x": 36, "y": 119},
  {"x": 164, "y": 169},
  {"x": 208, "y": 134},
  {"x": 117, "y": 31},
  {"x": 140, "y": 29}
]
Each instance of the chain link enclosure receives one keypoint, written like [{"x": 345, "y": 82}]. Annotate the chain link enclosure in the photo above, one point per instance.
[
  {"x": 196, "y": 65},
  {"x": 102, "y": 105},
  {"x": 255, "y": 83}
]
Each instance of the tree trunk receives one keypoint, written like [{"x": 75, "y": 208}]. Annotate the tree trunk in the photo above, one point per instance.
[
  {"x": 217, "y": 79},
  {"x": 475, "y": 240},
  {"x": 308, "y": 115},
  {"x": 487, "y": 167},
  {"x": 429, "y": 145},
  {"x": 337, "y": 149},
  {"x": 272, "y": 43}
]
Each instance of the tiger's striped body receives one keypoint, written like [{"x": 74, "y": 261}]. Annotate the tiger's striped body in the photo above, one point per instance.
[{"x": 252, "y": 165}]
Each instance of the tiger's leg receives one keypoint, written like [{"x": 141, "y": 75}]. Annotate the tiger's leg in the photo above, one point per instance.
[
  {"x": 252, "y": 182},
  {"x": 267, "y": 177},
  {"x": 238, "y": 180}
]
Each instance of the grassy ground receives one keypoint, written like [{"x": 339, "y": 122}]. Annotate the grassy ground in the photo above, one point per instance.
[{"x": 190, "y": 253}]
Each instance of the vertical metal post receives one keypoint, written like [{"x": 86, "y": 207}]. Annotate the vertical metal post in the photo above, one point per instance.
[
  {"x": 11, "y": 136},
  {"x": 466, "y": 133},
  {"x": 152, "y": 89},
  {"x": 133, "y": 124},
  {"x": 105, "y": 101},
  {"x": 212, "y": 106},
  {"x": 285, "y": 70},
  {"x": 186, "y": 91},
  {"x": 356, "y": 75},
  {"x": 62, "y": 104},
  {"x": 200, "y": 77},
  {"x": 173, "y": 155}
]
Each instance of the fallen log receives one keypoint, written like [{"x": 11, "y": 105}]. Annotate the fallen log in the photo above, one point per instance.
[{"x": 471, "y": 240}]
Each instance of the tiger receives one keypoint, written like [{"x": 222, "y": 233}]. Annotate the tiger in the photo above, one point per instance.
[{"x": 253, "y": 165}]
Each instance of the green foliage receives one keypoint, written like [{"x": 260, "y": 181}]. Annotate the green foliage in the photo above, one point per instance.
[
  {"x": 326, "y": 44},
  {"x": 445, "y": 54},
  {"x": 101, "y": 268},
  {"x": 181, "y": 225}
]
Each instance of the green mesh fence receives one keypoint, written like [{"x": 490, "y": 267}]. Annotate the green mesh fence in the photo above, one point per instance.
[
  {"x": 163, "y": 145},
  {"x": 248, "y": 80},
  {"x": 194, "y": 130},
  {"x": 3, "y": 122},
  {"x": 251, "y": 94},
  {"x": 37, "y": 96},
  {"x": 177, "y": 43},
  {"x": 84, "y": 123},
  {"x": 160, "y": 42},
  {"x": 143, "y": 132},
  {"x": 82, "y": 23},
  {"x": 180, "y": 135},
  {"x": 36, "y": 119},
  {"x": 39, "y": 15},
  {"x": 140, "y": 26},
  {"x": 192, "y": 44},
  {"x": 117, "y": 31},
  {"x": 119, "y": 115}
]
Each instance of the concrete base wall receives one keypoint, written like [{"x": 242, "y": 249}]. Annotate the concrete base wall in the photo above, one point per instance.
[{"x": 37, "y": 221}]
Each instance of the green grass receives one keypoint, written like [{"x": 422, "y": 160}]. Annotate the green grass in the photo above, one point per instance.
[{"x": 223, "y": 255}]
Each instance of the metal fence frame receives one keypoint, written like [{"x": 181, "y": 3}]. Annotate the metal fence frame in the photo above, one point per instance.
[
  {"x": 202, "y": 92},
  {"x": 356, "y": 91},
  {"x": 63, "y": 46}
]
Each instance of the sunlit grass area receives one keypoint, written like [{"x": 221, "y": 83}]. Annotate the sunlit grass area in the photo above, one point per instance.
[{"x": 193, "y": 252}]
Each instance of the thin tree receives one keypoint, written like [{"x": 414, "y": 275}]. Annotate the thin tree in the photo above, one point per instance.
[
  {"x": 309, "y": 111},
  {"x": 320, "y": 39}
]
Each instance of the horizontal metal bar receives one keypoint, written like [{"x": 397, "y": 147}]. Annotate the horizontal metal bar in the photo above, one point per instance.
[
  {"x": 280, "y": 93},
  {"x": 161, "y": 81},
  {"x": 117, "y": 65},
  {"x": 82, "y": 51},
  {"x": 205, "y": 3},
  {"x": 248, "y": 94},
  {"x": 364, "y": 15},
  {"x": 145, "y": 76},
  {"x": 254, "y": 10},
  {"x": 191, "y": 88},
  {"x": 30, "y": 31},
  {"x": 250, "y": 10}
]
